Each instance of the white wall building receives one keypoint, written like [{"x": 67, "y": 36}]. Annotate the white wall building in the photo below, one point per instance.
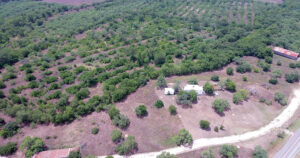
[
  {"x": 169, "y": 91},
  {"x": 196, "y": 88}
]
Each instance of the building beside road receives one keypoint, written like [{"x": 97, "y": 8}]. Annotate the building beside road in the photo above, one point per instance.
[
  {"x": 196, "y": 88},
  {"x": 286, "y": 53}
]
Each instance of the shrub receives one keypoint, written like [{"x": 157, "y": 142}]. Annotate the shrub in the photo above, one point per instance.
[
  {"x": 8, "y": 149},
  {"x": 208, "y": 88},
  {"x": 204, "y": 124},
  {"x": 113, "y": 111},
  {"x": 141, "y": 111},
  {"x": 30, "y": 77},
  {"x": 2, "y": 85},
  {"x": 95, "y": 130},
  {"x": 268, "y": 60},
  {"x": 161, "y": 82},
  {"x": 276, "y": 73},
  {"x": 215, "y": 78},
  {"x": 220, "y": 105},
  {"x": 172, "y": 110},
  {"x": 239, "y": 96},
  {"x": 193, "y": 81},
  {"x": 243, "y": 68},
  {"x": 216, "y": 129},
  {"x": 75, "y": 154},
  {"x": 33, "y": 84},
  {"x": 82, "y": 94},
  {"x": 273, "y": 81},
  {"x": 256, "y": 70},
  {"x": 183, "y": 138},
  {"x": 9, "y": 130},
  {"x": 292, "y": 65},
  {"x": 32, "y": 145},
  {"x": 127, "y": 146},
  {"x": 207, "y": 154},
  {"x": 230, "y": 85},
  {"x": 245, "y": 78},
  {"x": 177, "y": 86},
  {"x": 121, "y": 121},
  {"x": 2, "y": 94},
  {"x": 262, "y": 100},
  {"x": 158, "y": 104},
  {"x": 229, "y": 71},
  {"x": 2, "y": 122},
  {"x": 265, "y": 66},
  {"x": 51, "y": 79},
  {"x": 280, "y": 98},
  {"x": 116, "y": 136},
  {"x": 183, "y": 98},
  {"x": 292, "y": 77},
  {"x": 228, "y": 151},
  {"x": 259, "y": 152},
  {"x": 278, "y": 63},
  {"x": 166, "y": 155}
]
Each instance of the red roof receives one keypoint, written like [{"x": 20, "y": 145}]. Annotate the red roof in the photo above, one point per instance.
[
  {"x": 59, "y": 153},
  {"x": 285, "y": 51}
]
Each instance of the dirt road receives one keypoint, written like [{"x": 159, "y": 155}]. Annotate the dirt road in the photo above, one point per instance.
[{"x": 286, "y": 114}]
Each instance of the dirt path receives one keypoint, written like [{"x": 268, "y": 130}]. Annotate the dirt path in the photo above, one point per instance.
[{"x": 286, "y": 114}]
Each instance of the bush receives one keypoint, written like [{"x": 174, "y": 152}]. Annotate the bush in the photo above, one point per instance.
[
  {"x": 280, "y": 98},
  {"x": 121, "y": 121},
  {"x": 256, "y": 70},
  {"x": 268, "y": 60},
  {"x": 259, "y": 152},
  {"x": 262, "y": 100},
  {"x": 95, "y": 130},
  {"x": 172, "y": 110},
  {"x": 204, "y": 124},
  {"x": 8, "y": 149},
  {"x": 75, "y": 154},
  {"x": 292, "y": 65},
  {"x": 207, "y": 154},
  {"x": 216, "y": 129},
  {"x": 273, "y": 81},
  {"x": 33, "y": 84},
  {"x": 82, "y": 94},
  {"x": 116, "y": 136},
  {"x": 51, "y": 79},
  {"x": 32, "y": 145},
  {"x": 2, "y": 94},
  {"x": 243, "y": 68},
  {"x": 245, "y": 78},
  {"x": 177, "y": 86},
  {"x": 193, "y": 81},
  {"x": 184, "y": 98},
  {"x": 2, "y": 85},
  {"x": 230, "y": 85},
  {"x": 229, "y": 71},
  {"x": 215, "y": 78},
  {"x": 239, "y": 96},
  {"x": 279, "y": 63},
  {"x": 292, "y": 77},
  {"x": 276, "y": 73},
  {"x": 30, "y": 77},
  {"x": 228, "y": 151},
  {"x": 184, "y": 137},
  {"x": 113, "y": 112},
  {"x": 208, "y": 88},
  {"x": 166, "y": 155},
  {"x": 161, "y": 82},
  {"x": 141, "y": 111},
  {"x": 220, "y": 105},
  {"x": 9, "y": 130},
  {"x": 2, "y": 122},
  {"x": 127, "y": 146},
  {"x": 158, "y": 104}
]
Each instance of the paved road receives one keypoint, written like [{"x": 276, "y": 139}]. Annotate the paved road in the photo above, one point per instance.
[
  {"x": 291, "y": 148},
  {"x": 282, "y": 118}
]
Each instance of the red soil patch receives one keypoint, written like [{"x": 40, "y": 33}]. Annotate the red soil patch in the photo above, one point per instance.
[{"x": 73, "y": 2}]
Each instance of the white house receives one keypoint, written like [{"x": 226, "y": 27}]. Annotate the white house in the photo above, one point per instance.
[
  {"x": 169, "y": 91},
  {"x": 196, "y": 88}
]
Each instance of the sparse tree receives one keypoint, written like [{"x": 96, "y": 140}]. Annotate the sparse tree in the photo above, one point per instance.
[{"x": 161, "y": 82}]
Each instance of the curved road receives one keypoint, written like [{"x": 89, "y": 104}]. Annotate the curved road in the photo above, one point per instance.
[{"x": 286, "y": 114}]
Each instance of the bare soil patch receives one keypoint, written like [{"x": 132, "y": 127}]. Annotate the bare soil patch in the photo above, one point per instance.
[{"x": 73, "y": 2}]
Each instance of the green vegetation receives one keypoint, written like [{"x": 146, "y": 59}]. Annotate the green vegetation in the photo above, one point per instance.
[
  {"x": 229, "y": 71},
  {"x": 228, "y": 151},
  {"x": 193, "y": 81},
  {"x": 208, "y": 88},
  {"x": 161, "y": 82},
  {"x": 172, "y": 110},
  {"x": 240, "y": 96},
  {"x": 75, "y": 154},
  {"x": 209, "y": 153},
  {"x": 220, "y": 105},
  {"x": 184, "y": 138},
  {"x": 9, "y": 130},
  {"x": 259, "y": 152},
  {"x": 95, "y": 130},
  {"x": 116, "y": 136},
  {"x": 128, "y": 146},
  {"x": 32, "y": 145},
  {"x": 141, "y": 111},
  {"x": 159, "y": 104},
  {"x": 166, "y": 155},
  {"x": 215, "y": 78},
  {"x": 280, "y": 98},
  {"x": 230, "y": 85},
  {"x": 8, "y": 149},
  {"x": 204, "y": 124},
  {"x": 186, "y": 98}
]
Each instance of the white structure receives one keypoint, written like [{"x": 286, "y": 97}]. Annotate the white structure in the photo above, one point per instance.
[
  {"x": 196, "y": 88},
  {"x": 169, "y": 91}
]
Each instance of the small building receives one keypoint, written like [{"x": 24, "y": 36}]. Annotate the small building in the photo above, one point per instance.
[
  {"x": 196, "y": 88},
  {"x": 285, "y": 53},
  {"x": 169, "y": 91}
]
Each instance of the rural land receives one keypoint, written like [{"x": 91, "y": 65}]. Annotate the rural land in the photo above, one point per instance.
[{"x": 150, "y": 78}]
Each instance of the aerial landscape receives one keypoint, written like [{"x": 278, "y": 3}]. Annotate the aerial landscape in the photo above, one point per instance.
[{"x": 149, "y": 78}]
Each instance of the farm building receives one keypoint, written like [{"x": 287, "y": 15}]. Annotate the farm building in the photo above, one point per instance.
[
  {"x": 286, "y": 53},
  {"x": 196, "y": 88},
  {"x": 169, "y": 91}
]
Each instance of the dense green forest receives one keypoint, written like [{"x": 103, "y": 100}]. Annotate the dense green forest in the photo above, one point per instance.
[{"x": 63, "y": 51}]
